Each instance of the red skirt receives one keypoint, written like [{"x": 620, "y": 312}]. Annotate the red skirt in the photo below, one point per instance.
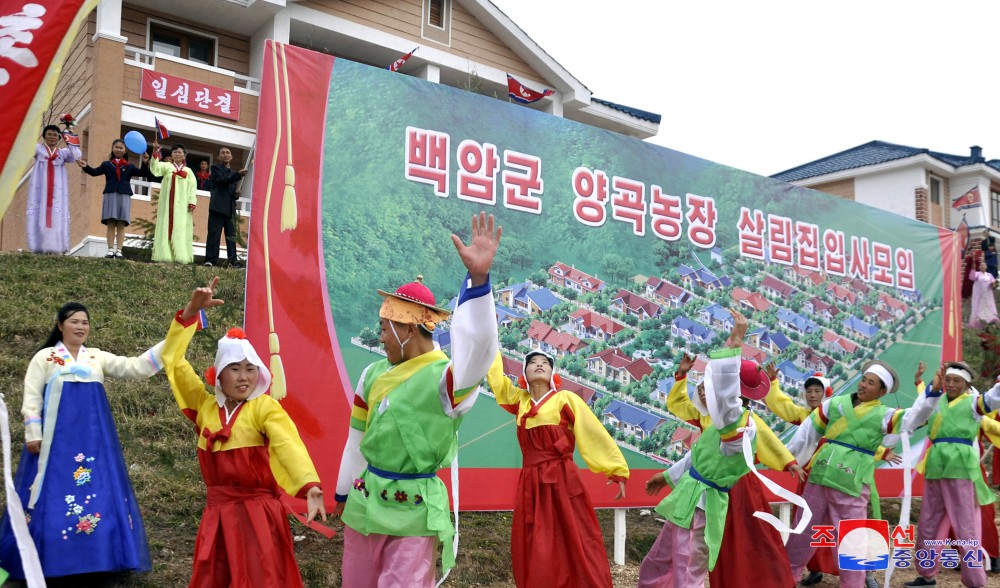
[
  {"x": 751, "y": 552},
  {"x": 556, "y": 541}
]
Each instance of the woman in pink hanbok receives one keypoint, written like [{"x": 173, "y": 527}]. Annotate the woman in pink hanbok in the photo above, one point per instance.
[
  {"x": 48, "y": 194},
  {"x": 984, "y": 307}
]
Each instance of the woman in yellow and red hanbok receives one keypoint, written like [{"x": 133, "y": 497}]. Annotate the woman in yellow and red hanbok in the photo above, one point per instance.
[{"x": 556, "y": 540}]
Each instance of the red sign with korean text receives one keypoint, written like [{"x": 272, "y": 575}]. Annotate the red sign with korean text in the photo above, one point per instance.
[{"x": 190, "y": 95}]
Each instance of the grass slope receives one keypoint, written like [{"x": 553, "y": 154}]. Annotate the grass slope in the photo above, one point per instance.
[{"x": 131, "y": 305}]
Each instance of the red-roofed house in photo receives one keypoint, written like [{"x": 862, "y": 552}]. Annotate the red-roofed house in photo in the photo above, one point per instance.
[
  {"x": 874, "y": 313},
  {"x": 752, "y": 301},
  {"x": 757, "y": 355},
  {"x": 628, "y": 303},
  {"x": 890, "y": 304},
  {"x": 835, "y": 343},
  {"x": 777, "y": 288},
  {"x": 684, "y": 438},
  {"x": 809, "y": 359},
  {"x": 566, "y": 276},
  {"x": 860, "y": 286},
  {"x": 697, "y": 371},
  {"x": 666, "y": 293},
  {"x": 615, "y": 364},
  {"x": 803, "y": 276},
  {"x": 514, "y": 369},
  {"x": 841, "y": 294},
  {"x": 591, "y": 325},
  {"x": 552, "y": 341},
  {"x": 816, "y": 306}
]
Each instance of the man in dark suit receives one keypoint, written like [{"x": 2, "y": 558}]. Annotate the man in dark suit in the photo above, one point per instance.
[{"x": 222, "y": 210}]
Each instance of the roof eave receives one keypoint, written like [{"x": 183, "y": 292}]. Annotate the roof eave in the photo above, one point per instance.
[
  {"x": 923, "y": 159},
  {"x": 574, "y": 94}
]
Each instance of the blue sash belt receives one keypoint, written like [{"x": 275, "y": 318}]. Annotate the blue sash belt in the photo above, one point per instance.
[
  {"x": 952, "y": 440},
  {"x": 396, "y": 475},
  {"x": 851, "y": 447},
  {"x": 694, "y": 474}
]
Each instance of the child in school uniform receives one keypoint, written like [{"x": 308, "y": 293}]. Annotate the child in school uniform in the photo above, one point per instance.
[
  {"x": 712, "y": 497},
  {"x": 248, "y": 449},
  {"x": 116, "y": 211}
]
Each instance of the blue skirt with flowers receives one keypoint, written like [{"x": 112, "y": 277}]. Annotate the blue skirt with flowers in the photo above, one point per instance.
[{"x": 86, "y": 518}]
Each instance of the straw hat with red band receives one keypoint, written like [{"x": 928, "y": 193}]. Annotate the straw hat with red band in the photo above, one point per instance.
[
  {"x": 754, "y": 383},
  {"x": 412, "y": 304}
]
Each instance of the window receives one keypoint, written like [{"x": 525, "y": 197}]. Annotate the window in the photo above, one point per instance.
[
  {"x": 182, "y": 44},
  {"x": 436, "y": 13},
  {"x": 995, "y": 207},
  {"x": 437, "y": 21},
  {"x": 936, "y": 190}
]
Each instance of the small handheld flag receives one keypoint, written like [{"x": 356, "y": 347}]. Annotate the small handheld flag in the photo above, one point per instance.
[
  {"x": 517, "y": 91},
  {"x": 399, "y": 62},
  {"x": 71, "y": 139},
  {"x": 161, "y": 129}
]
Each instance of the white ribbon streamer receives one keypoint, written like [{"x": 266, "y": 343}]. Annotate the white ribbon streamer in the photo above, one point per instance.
[
  {"x": 904, "y": 509},
  {"x": 749, "y": 432},
  {"x": 15, "y": 511},
  {"x": 454, "y": 500}
]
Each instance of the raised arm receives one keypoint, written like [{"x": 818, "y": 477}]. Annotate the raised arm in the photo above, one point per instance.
[
  {"x": 508, "y": 395},
  {"x": 908, "y": 419},
  {"x": 678, "y": 402},
  {"x": 474, "y": 326},
  {"x": 188, "y": 389},
  {"x": 722, "y": 377},
  {"x": 782, "y": 404}
]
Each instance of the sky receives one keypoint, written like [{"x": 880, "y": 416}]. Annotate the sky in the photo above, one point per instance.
[{"x": 768, "y": 85}]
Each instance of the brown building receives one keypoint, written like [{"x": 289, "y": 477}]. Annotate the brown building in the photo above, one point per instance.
[{"x": 215, "y": 47}]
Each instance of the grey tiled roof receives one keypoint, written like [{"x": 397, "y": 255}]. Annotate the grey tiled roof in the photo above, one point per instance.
[
  {"x": 872, "y": 153},
  {"x": 640, "y": 114}
]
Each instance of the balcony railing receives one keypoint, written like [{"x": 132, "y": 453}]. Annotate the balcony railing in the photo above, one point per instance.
[
  {"x": 142, "y": 190},
  {"x": 147, "y": 60}
]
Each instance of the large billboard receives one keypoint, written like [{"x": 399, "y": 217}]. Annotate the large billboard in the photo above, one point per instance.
[{"x": 617, "y": 256}]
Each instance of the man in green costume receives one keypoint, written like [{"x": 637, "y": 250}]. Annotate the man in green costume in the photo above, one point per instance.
[
  {"x": 404, "y": 423},
  {"x": 954, "y": 487},
  {"x": 842, "y": 475}
]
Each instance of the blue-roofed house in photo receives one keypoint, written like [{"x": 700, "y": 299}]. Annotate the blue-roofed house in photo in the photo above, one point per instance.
[
  {"x": 790, "y": 375},
  {"x": 527, "y": 298},
  {"x": 506, "y": 316},
  {"x": 774, "y": 342},
  {"x": 631, "y": 420},
  {"x": 663, "y": 387},
  {"x": 856, "y": 325},
  {"x": 702, "y": 277},
  {"x": 693, "y": 332},
  {"x": 796, "y": 322},
  {"x": 716, "y": 316}
]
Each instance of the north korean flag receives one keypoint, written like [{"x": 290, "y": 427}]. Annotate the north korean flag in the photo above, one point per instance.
[{"x": 517, "y": 91}]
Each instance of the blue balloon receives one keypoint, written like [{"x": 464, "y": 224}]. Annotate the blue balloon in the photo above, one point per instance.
[{"x": 135, "y": 142}]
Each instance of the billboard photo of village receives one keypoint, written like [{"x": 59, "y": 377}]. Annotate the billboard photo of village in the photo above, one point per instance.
[{"x": 616, "y": 340}]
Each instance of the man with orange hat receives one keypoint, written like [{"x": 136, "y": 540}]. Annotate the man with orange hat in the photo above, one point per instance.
[{"x": 404, "y": 424}]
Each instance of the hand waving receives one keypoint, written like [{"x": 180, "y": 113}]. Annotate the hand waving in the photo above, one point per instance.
[
  {"x": 202, "y": 299},
  {"x": 478, "y": 255}
]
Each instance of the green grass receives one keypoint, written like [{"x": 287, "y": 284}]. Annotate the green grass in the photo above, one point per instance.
[{"x": 131, "y": 305}]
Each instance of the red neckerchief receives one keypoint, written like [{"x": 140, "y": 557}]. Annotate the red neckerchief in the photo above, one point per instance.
[
  {"x": 50, "y": 184},
  {"x": 178, "y": 171},
  {"x": 119, "y": 164}
]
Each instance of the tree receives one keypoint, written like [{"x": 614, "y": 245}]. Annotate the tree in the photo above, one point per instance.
[
  {"x": 617, "y": 268},
  {"x": 369, "y": 337}
]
